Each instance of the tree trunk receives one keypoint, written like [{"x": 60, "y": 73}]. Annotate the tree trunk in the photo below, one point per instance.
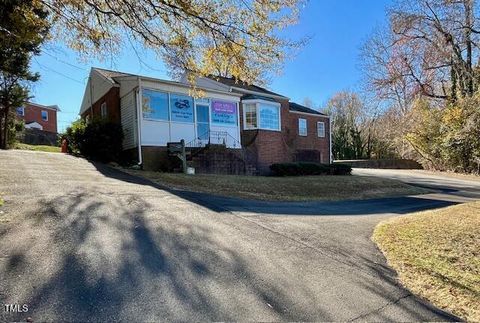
[
  {"x": 1, "y": 130},
  {"x": 4, "y": 130},
  {"x": 468, "y": 41}
]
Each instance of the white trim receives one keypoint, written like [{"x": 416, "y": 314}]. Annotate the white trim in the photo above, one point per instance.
[
  {"x": 306, "y": 127},
  {"x": 189, "y": 87},
  {"x": 139, "y": 122},
  {"x": 324, "y": 129},
  {"x": 49, "y": 107},
  {"x": 239, "y": 130},
  {"x": 41, "y": 115},
  {"x": 257, "y": 103},
  {"x": 239, "y": 89},
  {"x": 261, "y": 101},
  {"x": 103, "y": 107},
  {"x": 310, "y": 114},
  {"x": 244, "y": 113}
]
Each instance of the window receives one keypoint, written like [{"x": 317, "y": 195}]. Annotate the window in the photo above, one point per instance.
[
  {"x": 181, "y": 108},
  {"x": 250, "y": 116},
  {"x": 154, "y": 105},
  {"x": 21, "y": 111},
  {"x": 224, "y": 113},
  {"x": 321, "y": 129},
  {"x": 261, "y": 115},
  {"x": 302, "y": 127},
  {"x": 44, "y": 115},
  {"x": 269, "y": 117},
  {"x": 103, "y": 110}
]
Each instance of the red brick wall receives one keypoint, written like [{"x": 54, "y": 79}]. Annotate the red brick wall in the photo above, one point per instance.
[
  {"x": 281, "y": 146},
  {"x": 311, "y": 141},
  {"x": 112, "y": 99},
  {"x": 33, "y": 113}
]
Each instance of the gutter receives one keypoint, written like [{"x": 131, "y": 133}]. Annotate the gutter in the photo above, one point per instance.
[{"x": 139, "y": 122}]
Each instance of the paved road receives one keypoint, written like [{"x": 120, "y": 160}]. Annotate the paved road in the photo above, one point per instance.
[{"x": 88, "y": 243}]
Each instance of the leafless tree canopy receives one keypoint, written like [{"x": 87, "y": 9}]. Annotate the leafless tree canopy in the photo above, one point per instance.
[{"x": 430, "y": 48}]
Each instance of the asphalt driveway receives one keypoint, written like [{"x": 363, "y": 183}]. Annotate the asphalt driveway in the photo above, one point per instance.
[{"x": 82, "y": 242}]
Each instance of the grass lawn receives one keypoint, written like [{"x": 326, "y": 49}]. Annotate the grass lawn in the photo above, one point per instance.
[
  {"x": 307, "y": 188},
  {"x": 437, "y": 256},
  {"x": 50, "y": 149}
]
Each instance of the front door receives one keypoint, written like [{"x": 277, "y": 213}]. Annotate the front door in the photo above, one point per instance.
[{"x": 203, "y": 121}]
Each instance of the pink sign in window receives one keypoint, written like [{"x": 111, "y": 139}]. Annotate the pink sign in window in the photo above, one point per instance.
[{"x": 224, "y": 112}]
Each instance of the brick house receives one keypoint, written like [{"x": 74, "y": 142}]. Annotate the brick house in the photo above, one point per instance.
[
  {"x": 40, "y": 117},
  {"x": 256, "y": 127}
]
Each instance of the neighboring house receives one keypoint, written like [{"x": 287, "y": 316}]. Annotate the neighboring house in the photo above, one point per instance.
[
  {"x": 254, "y": 125},
  {"x": 40, "y": 117}
]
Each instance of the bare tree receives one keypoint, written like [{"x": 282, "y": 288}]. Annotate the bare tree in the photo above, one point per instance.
[{"x": 429, "y": 49}]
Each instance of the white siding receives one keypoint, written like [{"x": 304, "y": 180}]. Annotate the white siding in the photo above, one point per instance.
[
  {"x": 97, "y": 86},
  {"x": 127, "y": 84},
  {"x": 128, "y": 116}
]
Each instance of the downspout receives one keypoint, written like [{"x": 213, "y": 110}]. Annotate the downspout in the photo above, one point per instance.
[
  {"x": 330, "y": 135},
  {"x": 139, "y": 122}
]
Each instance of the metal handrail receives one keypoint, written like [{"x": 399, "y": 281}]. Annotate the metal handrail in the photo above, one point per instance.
[
  {"x": 222, "y": 137},
  {"x": 215, "y": 137}
]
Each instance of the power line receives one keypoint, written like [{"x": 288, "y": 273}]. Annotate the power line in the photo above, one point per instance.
[
  {"x": 59, "y": 73},
  {"x": 62, "y": 61}
]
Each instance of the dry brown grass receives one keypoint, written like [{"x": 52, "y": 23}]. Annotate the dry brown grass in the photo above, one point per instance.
[
  {"x": 307, "y": 188},
  {"x": 437, "y": 256}
]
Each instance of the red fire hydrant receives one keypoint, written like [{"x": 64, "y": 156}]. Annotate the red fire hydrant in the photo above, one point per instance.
[{"x": 64, "y": 145}]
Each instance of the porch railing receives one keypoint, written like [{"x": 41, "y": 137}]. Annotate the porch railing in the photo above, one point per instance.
[{"x": 214, "y": 138}]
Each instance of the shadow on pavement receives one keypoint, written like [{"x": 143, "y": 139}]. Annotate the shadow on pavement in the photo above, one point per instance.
[
  {"x": 102, "y": 258},
  {"x": 395, "y": 205}
]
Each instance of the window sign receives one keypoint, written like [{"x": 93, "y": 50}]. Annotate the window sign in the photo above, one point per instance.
[
  {"x": 154, "y": 105},
  {"x": 21, "y": 111},
  {"x": 224, "y": 112},
  {"x": 269, "y": 117},
  {"x": 181, "y": 107}
]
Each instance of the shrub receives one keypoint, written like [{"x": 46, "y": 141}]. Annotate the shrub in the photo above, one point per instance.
[
  {"x": 98, "y": 140},
  {"x": 304, "y": 169},
  {"x": 340, "y": 169}
]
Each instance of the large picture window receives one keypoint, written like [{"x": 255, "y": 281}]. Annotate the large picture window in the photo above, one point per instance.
[
  {"x": 269, "y": 117},
  {"x": 261, "y": 115},
  {"x": 154, "y": 105}
]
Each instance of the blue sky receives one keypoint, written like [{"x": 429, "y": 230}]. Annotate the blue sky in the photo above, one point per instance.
[{"x": 328, "y": 64}]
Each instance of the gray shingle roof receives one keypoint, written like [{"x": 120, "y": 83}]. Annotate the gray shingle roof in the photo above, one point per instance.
[
  {"x": 240, "y": 84},
  {"x": 109, "y": 74},
  {"x": 300, "y": 108}
]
